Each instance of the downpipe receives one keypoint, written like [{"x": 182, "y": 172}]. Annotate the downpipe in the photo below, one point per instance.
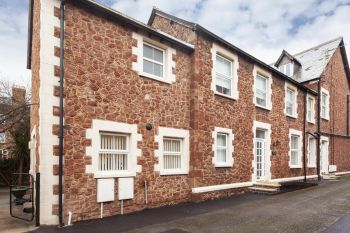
[{"x": 60, "y": 137}]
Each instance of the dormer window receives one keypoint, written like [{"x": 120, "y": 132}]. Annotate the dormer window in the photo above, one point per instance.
[{"x": 287, "y": 69}]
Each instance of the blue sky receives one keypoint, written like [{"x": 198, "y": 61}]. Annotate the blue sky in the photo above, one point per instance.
[{"x": 262, "y": 28}]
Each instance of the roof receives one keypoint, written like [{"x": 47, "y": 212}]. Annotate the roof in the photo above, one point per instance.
[
  {"x": 315, "y": 59},
  {"x": 112, "y": 14},
  {"x": 197, "y": 27},
  {"x": 285, "y": 53}
]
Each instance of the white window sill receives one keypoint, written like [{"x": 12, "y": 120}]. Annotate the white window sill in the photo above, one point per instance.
[
  {"x": 263, "y": 107},
  {"x": 311, "y": 122},
  {"x": 295, "y": 166},
  {"x": 292, "y": 116},
  {"x": 226, "y": 96},
  {"x": 223, "y": 165},
  {"x": 325, "y": 118},
  {"x": 114, "y": 174},
  {"x": 173, "y": 172},
  {"x": 311, "y": 166},
  {"x": 154, "y": 77}
]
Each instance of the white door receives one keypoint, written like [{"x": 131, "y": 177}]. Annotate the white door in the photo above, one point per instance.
[
  {"x": 260, "y": 155},
  {"x": 324, "y": 156}
]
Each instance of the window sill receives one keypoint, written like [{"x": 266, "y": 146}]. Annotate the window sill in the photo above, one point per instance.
[
  {"x": 325, "y": 118},
  {"x": 311, "y": 166},
  {"x": 295, "y": 166},
  {"x": 292, "y": 116},
  {"x": 223, "y": 165},
  {"x": 150, "y": 76},
  {"x": 173, "y": 172},
  {"x": 268, "y": 108},
  {"x": 311, "y": 122},
  {"x": 226, "y": 96},
  {"x": 114, "y": 174}
]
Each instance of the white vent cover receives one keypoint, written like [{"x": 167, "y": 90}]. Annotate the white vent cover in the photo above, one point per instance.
[
  {"x": 332, "y": 168},
  {"x": 126, "y": 188},
  {"x": 105, "y": 190}
]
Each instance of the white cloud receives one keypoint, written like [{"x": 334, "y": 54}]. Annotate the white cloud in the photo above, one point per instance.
[{"x": 262, "y": 28}]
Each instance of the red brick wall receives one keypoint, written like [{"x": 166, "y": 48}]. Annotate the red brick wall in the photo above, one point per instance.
[{"x": 100, "y": 84}]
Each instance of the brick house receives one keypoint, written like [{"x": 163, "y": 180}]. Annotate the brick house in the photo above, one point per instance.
[{"x": 167, "y": 112}]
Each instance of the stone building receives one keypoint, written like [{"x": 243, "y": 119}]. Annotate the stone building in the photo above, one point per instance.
[{"x": 168, "y": 112}]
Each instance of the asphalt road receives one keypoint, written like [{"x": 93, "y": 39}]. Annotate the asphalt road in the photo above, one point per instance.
[{"x": 323, "y": 208}]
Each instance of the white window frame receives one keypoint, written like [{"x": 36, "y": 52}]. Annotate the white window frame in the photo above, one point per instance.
[
  {"x": 309, "y": 155},
  {"x": 295, "y": 105},
  {"x": 299, "y": 134},
  {"x": 116, "y": 128},
  {"x": 312, "y": 111},
  {"x": 230, "y": 148},
  {"x": 168, "y": 62},
  {"x": 3, "y": 154},
  {"x": 283, "y": 69},
  {"x": 115, "y": 151},
  {"x": 325, "y": 116},
  {"x": 264, "y": 74},
  {"x": 154, "y": 61},
  {"x": 217, "y": 50},
  {"x": 184, "y": 136}
]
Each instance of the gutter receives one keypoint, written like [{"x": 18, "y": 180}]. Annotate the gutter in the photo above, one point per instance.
[
  {"x": 347, "y": 115},
  {"x": 319, "y": 129},
  {"x": 30, "y": 34},
  {"x": 304, "y": 132},
  {"x": 60, "y": 137}
]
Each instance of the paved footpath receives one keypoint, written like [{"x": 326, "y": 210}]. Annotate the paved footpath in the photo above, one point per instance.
[{"x": 323, "y": 208}]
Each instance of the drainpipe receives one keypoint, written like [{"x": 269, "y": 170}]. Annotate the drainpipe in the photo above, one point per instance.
[
  {"x": 304, "y": 132},
  {"x": 319, "y": 129},
  {"x": 60, "y": 137},
  {"x": 347, "y": 115}
]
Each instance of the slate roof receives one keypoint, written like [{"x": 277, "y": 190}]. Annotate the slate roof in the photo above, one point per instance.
[{"x": 315, "y": 59}]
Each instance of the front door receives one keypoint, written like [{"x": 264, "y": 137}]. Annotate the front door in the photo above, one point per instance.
[
  {"x": 260, "y": 155},
  {"x": 324, "y": 156}
]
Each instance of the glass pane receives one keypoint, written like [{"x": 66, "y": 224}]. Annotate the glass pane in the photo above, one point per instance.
[
  {"x": 147, "y": 66},
  {"x": 221, "y": 140},
  {"x": 221, "y": 155},
  {"x": 288, "y": 71},
  {"x": 158, "y": 70},
  {"x": 295, "y": 141},
  {"x": 223, "y": 85},
  {"x": 172, "y": 145},
  {"x": 147, "y": 51},
  {"x": 113, "y": 142},
  {"x": 290, "y": 95},
  {"x": 261, "y": 98},
  {"x": 261, "y": 83},
  {"x": 260, "y": 134},
  {"x": 294, "y": 158},
  {"x": 289, "y": 108},
  {"x": 223, "y": 66},
  {"x": 158, "y": 55}
]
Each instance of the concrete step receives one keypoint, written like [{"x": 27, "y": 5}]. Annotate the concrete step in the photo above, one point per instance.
[
  {"x": 264, "y": 190},
  {"x": 330, "y": 177},
  {"x": 270, "y": 184}
]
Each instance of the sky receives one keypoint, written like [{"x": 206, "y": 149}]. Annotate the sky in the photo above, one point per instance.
[{"x": 261, "y": 28}]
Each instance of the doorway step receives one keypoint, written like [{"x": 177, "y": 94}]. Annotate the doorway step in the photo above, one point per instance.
[
  {"x": 266, "y": 188},
  {"x": 330, "y": 176}
]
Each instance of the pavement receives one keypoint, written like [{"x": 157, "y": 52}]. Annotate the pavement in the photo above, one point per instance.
[
  {"x": 9, "y": 224},
  {"x": 322, "y": 208}
]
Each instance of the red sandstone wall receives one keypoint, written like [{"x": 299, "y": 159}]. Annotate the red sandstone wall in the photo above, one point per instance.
[{"x": 100, "y": 84}]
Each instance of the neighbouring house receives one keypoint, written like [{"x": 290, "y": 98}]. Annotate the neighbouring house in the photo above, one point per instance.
[
  {"x": 8, "y": 105},
  {"x": 167, "y": 112}
]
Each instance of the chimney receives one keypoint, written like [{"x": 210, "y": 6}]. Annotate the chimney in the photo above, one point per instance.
[{"x": 18, "y": 94}]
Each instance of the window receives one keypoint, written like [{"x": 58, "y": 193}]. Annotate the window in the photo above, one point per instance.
[
  {"x": 172, "y": 153},
  {"x": 291, "y": 94},
  {"x": 324, "y": 104},
  {"x": 113, "y": 153},
  {"x": 3, "y": 154},
  {"x": 223, "y": 75},
  {"x": 287, "y": 69},
  {"x": 224, "y": 72},
  {"x": 312, "y": 152},
  {"x": 311, "y": 109},
  {"x": 153, "y": 60},
  {"x": 223, "y": 147},
  {"x": 290, "y": 101},
  {"x": 2, "y": 138},
  {"x": 295, "y": 148},
  {"x": 261, "y": 91}
]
